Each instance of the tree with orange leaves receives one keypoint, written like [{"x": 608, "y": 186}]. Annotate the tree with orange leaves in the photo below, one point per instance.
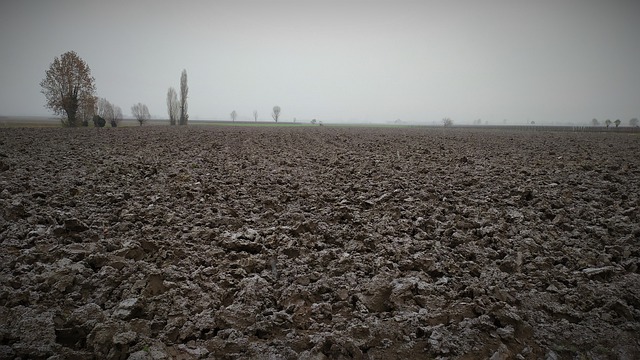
[{"x": 68, "y": 87}]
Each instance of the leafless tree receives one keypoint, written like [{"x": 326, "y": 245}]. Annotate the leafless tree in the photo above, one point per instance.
[
  {"x": 447, "y": 122},
  {"x": 276, "y": 113},
  {"x": 87, "y": 110},
  {"x": 233, "y": 115},
  {"x": 117, "y": 116},
  {"x": 173, "y": 106},
  {"x": 109, "y": 115},
  {"x": 633, "y": 122},
  {"x": 595, "y": 122},
  {"x": 617, "y": 122},
  {"x": 101, "y": 103},
  {"x": 141, "y": 113},
  {"x": 109, "y": 112},
  {"x": 104, "y": 109},
  {"x": 608, "y": 123},
  {"x": 184, "y": 91},
  {"x": 68, "y": 86},
  {"x": 255, "y": 115}
]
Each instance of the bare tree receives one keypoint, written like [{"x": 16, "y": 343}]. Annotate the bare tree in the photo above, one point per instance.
[
  {"x": 276, "y": 113},
  {"x": 101, "y": 104},
  {"x": 595, "y": 122},
  {"x": 117, "y": 116},
  {"x": 608, "y": 123},
  {"x": 68, "y": 86},
  {"x": 104, "y": 109},
  {"x": 87, "y": 110},
  {"x": 141, "y": 113},
  {"x": 255, "y": 115},
  {"x": 617, "y": 122},
  {"x": 173, "y": 106},
  {"x": 233, "y": 115},
  {"x": 184, "y": 91},
  {"x": 633, "y": 122},
  {"x": 447, "y": 122},
  {"x": 109, "y": 112}
]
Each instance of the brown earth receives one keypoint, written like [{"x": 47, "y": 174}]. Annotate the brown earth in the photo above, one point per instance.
[{"x": 313, "y": 243}]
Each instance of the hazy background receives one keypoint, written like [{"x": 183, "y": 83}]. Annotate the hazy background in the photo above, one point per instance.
[{"x": 375, "y": 61}]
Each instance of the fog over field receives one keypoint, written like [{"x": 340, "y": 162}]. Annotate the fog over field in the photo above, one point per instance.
[{"x": 364, "y": 61}]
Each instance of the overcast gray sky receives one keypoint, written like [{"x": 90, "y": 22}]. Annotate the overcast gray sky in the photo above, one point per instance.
[{"x": 546, "y": 61}]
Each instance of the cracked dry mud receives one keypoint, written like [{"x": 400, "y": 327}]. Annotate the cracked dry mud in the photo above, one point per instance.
[{"x": 299, "y": 242}]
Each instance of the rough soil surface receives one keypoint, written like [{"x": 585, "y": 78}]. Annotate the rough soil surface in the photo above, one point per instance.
[{"x": 314, "y": 243}]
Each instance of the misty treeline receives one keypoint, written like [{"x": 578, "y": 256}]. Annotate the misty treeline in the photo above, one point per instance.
[
  {"x": 70, "y": 91},
  {"x": 632, "y": 122},
  {"x": 275, "y": 114}
]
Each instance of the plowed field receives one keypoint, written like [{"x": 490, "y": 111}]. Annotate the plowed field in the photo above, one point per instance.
[{"x": 318, "y": 242}]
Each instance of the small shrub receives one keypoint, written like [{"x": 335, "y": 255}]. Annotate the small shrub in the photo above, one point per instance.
[{"x": 99, "y": 121}]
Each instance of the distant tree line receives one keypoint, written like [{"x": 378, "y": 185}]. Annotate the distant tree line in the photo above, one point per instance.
[
  {"x": 275, "y": 114},
  {"x": 632, "y": 122},
  {"x": 69, "y": 90}
]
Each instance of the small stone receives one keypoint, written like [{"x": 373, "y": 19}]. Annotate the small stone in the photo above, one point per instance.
[{"x": 552, "y": 288}]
